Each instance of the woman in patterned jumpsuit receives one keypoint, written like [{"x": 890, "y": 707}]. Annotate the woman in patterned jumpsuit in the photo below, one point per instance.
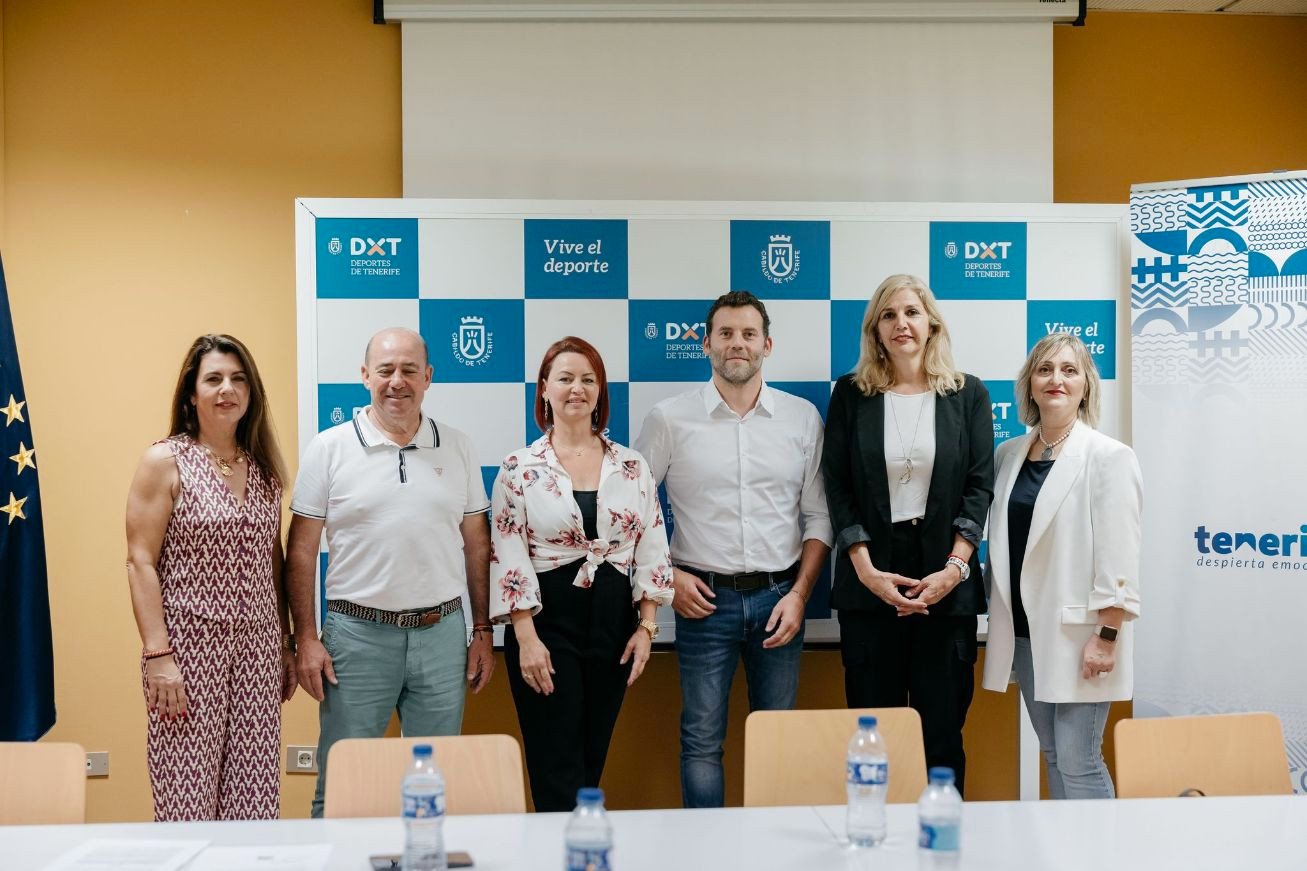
[{"x": 204, "y": 568}]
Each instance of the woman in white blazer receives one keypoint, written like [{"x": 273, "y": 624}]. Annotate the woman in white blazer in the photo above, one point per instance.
[{"x": 1064, "y": 566}]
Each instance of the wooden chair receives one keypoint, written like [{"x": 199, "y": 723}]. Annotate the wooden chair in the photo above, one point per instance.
[
  {"x": 483, "y": 775},
  {"x": 1222, "y": 754},
  {"x": 797, "y": 757},
  {"x": 42, "y": 782}
]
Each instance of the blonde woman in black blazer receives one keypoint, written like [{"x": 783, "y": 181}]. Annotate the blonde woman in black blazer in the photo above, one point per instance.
[{"x": 909, "y": 470}]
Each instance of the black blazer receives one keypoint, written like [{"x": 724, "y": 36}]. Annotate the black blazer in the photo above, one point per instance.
[{"x": 857, "y": 488}]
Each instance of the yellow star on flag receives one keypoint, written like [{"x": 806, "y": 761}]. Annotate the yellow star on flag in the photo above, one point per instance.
[
  {"x": 13, "y": 410},
  {"x": 14, "y": 508},
  {"x": 24, "y": 458}
]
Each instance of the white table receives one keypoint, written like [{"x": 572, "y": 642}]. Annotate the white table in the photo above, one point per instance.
[{"x": 1230, "y": 834}]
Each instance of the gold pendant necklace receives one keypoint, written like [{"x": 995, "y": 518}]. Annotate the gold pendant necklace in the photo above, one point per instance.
[{"x": 224, "y": 464}]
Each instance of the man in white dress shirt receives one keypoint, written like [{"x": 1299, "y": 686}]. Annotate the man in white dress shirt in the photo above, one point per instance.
[{"x": 742, "y": 467}]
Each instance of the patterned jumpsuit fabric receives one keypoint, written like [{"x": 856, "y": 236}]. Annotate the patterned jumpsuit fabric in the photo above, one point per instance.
[{"x": 215, "y": 569}]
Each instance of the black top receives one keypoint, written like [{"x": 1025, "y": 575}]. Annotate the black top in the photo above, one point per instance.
[
  {"x": 857, "y": 490},
  {"x": 588, "y": 503},
  {"x": 1020, "y": 508}
]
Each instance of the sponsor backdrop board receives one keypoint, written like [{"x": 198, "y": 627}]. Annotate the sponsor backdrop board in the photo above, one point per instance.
[
  {"x": 490, "y": 284},
  {"x": 1218, "y": 288}
]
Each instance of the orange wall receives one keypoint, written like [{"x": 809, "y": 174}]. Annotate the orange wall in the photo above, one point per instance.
[
  {"x": 1144, "y": 98},
  {"x": 151, "y": 152}
]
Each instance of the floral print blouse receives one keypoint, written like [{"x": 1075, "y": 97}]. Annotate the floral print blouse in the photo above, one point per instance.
[{"x": 536, "y": 526}]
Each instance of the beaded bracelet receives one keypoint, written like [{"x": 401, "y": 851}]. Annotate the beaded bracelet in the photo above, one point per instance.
[{"x": 155, "y": 654}]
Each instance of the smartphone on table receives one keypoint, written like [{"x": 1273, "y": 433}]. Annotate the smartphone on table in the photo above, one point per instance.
[{"x": 394, "y": 861}]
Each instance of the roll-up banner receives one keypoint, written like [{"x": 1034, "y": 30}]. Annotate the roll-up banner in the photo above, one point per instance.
[{"x": 1219, "y": 330}]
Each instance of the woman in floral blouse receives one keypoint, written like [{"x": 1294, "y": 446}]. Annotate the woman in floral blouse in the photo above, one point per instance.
[{"x": 578, "y": 546}]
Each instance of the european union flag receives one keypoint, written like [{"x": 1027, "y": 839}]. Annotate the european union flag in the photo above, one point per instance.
[{"x": 26, "y": 653}]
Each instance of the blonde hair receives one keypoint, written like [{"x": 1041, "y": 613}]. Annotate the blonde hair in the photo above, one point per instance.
[
  {"x": 1044, "y": 350},
  {"x": 875, "y": 372}
]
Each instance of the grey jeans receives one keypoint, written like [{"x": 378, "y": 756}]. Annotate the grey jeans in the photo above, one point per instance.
[
  {"x": 1070, "y": 736},
  {"x": 381, "y": 669}
]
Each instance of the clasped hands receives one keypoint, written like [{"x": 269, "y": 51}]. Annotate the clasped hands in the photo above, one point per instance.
[{"x": 917, "y": 595}]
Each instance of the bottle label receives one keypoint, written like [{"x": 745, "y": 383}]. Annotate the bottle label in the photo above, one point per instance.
[
  {"x": 868, "y": 773},
  {"x": 940, "y": 836},
  {"x": 583, "y": 859},
  {"x": 422, "y": 806}
]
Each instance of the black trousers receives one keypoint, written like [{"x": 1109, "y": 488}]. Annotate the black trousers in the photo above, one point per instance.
[
  {"x": 927, "y": 662},
  {"x": 566, "y": 733}
]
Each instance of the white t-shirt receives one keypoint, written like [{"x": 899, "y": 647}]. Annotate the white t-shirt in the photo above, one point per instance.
[
  {"x": 906, "y": 415},
  {"x": 392, "y": 514}
]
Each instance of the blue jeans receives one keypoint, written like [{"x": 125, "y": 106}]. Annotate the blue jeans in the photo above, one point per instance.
[
  {"x": 380, "y": 667},
  {"x": 1070, "y": 736},
  {"x": 707, "y": 652}
]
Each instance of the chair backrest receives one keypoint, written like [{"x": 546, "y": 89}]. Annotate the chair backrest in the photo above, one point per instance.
[
  {"x": 42, "y": 782},
  {"x": 1222, "y": 754},
  {"x": 797, "y": 757},
  {"x": 483, "y": 775}
]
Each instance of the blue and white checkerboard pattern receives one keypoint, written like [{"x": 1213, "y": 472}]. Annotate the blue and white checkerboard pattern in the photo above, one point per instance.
[{"x": 490, "y": 294}]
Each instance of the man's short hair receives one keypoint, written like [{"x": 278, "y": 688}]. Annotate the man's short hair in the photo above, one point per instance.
[{"x": 740, "y": 299}]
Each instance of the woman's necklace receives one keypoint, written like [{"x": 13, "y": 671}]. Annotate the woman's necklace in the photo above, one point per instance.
[
  {"x": 576, "y": 452},
  {"x": 1047, "y": 453},
  {"x": 224, "y": 464},
  {"x": 906, "y": 456}
]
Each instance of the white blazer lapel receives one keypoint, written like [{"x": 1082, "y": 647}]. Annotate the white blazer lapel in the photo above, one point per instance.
[{"x": 1063, "y": 477}]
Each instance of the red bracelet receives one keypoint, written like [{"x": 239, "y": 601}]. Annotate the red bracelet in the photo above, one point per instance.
[{"x": 155, "y": 654}]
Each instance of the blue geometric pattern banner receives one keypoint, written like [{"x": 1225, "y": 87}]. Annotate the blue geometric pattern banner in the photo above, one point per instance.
[
  {"x": 1218, "y": 295},
  {"x": 1218, "y": 283}
]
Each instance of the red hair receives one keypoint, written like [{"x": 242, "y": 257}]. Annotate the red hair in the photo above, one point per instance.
[{"x": 580, "y": 346}]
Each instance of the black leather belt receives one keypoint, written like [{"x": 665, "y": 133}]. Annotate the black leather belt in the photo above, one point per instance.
[
  {"x": 414, "y": 619},
  {"x": 743, "y": 582}
]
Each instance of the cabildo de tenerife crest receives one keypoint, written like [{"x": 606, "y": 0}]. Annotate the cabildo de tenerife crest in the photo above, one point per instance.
[
  {"x": 780, "y": 262},
  {"x": 473, "y": 343}
]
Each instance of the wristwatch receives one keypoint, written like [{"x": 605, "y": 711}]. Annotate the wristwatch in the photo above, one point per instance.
[
  {"x": 960, "y": 563},
  {"x": 1107, "y": 633},
  {"x": 651, "y": 627}
]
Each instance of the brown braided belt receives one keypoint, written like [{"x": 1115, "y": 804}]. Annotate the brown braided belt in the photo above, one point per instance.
[{"x": 403, "y": 619}]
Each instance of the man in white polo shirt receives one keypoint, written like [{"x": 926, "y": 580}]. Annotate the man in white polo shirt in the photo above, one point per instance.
[
  {"x": 742, "y": 466},
  {"x": 402, "y": 502}
]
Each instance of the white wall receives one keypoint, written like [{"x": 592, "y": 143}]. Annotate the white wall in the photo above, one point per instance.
[{"x": 729, "y": 111}]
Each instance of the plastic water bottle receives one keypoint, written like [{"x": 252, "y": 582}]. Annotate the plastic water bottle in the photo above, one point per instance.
[
  {"x": 423, "y": 796},
  {"x": 867, "y": 776},
  {"x": 939, "y": 811},
  {"x": 589, "y": 834}
]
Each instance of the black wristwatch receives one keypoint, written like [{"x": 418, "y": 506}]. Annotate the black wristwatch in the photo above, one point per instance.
[{"x": 1107, "y": 633}]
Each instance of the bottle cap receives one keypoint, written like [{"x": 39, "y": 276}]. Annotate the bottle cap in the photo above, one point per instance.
[
  {"x": 421, "y": 750},
  {"x": 589, "y": 795},
  {"x": 941, "y": 775},
  {"x": 866, "y": 722}
]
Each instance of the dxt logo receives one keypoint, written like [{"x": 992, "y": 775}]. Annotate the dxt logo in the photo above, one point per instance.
[
  {"x": 360, "y": 246},
  {"x": 985, "y": 250},
  {"x": 685, "y": 332}
]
